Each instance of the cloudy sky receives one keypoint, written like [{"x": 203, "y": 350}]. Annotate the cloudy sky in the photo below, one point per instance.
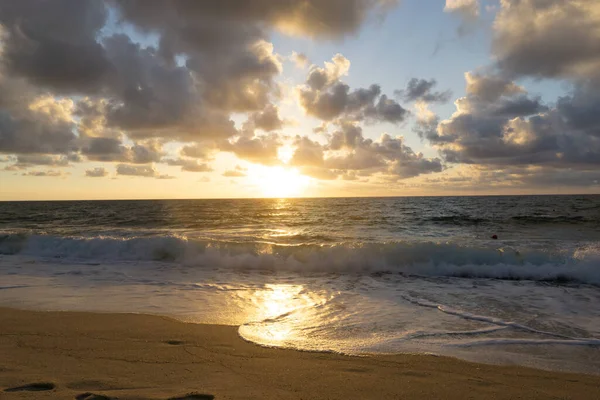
[{"x": 234, "y": 98}]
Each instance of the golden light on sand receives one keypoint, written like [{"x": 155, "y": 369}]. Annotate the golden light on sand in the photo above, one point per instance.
[
  {"x": 279, "y": 313},
  {"x": 278, "y": 181}
]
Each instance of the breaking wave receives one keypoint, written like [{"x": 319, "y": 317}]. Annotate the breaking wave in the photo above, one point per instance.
[{"x": 407, "y": 258}]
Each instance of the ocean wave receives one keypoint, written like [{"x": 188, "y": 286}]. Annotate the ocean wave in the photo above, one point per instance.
[
  {"x": 466, "y": 220},
  {"x": 546, "y": 219},
  {"x": 457, "y": 220},
  {"x": 407, "y": 258}
]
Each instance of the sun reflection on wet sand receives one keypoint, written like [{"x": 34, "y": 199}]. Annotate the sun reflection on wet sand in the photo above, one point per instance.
[{"x": 280, "y": 313}]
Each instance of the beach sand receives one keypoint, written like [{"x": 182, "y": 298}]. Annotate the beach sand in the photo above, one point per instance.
[{"x": 69, "y": 355}]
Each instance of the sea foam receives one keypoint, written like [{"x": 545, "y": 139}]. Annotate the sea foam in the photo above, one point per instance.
[{"x": 424, "y": 258}]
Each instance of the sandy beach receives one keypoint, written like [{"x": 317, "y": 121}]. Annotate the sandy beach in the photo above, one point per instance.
[{"x": 69, "y": 355}]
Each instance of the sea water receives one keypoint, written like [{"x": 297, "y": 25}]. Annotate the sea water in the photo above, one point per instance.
[{"x": 350, "y": 275}]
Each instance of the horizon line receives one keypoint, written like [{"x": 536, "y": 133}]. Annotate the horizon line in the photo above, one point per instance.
[{"x": 303, "y": 197}]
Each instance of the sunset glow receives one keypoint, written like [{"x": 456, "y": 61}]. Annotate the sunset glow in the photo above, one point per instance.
[
  {"x": 278, "y": 181},
  {"x": 176, "y": 99}
]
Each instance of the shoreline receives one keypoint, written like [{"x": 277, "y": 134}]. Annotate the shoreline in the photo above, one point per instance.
[{"x": 138, "y": 356}]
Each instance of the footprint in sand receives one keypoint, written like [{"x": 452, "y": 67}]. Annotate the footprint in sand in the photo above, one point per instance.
[
  {"x": 175, "y": 342},
  {"x": 32, "y": 387}
]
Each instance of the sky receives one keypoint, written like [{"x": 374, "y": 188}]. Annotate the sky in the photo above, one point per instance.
[{"x": 145, "y": 99}]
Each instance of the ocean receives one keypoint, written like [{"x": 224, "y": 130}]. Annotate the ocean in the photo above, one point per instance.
[{"x": 349, "y": 275}]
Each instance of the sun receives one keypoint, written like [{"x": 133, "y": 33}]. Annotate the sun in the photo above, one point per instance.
[{"x": 278, "y": 181}]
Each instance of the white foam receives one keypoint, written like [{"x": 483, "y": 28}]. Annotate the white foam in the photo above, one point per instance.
[
  {"x": 330, "y": 312},
  {"x": 419, "y": 258}
]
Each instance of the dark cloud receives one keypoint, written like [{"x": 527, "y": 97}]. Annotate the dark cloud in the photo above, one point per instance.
[
  {"x": 105, "y": 149},
  {"x": 490, "y": 87},
  {"x": 581, "y": 111},
  {"x": 517, "y": 106},
  {"x": 519, "y": 131},
  {"x": 348, "y": 153},
  {"x": 153, "y": 94},
  {"x": 112, "y": 150},
  {"x": 333, "y": 18},
  {"x": 210, "y": 61},
  {"x": 97, "y": 172},
  {"x": 31, "y": 122},
  {"x": 157, "y": 98},
  {"x": 326, "y": 97},
  {"x": 548, "y": 38},
  {"x": 422, "y": 90},
  {"x": 226, "y": 45},
  {"x": 53, "y": 43},
  {"x": 513, "y": 139},
  {"x": 24, "y": 161},
  {"x": 268, "y": 119},
  {"x": 387, "y": 155}
]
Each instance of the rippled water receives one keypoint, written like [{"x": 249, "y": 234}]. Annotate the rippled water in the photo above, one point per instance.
[{"x": 353, "y": 275}]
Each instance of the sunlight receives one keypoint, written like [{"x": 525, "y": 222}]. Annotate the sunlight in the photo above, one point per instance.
[
  {"x": 279, "y": 313},
  {"x": 278, "y": 181},
  {"x": 285, "y": 153}
]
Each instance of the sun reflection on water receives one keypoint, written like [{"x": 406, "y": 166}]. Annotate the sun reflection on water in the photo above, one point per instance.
[{"x": 280, "y": 313}]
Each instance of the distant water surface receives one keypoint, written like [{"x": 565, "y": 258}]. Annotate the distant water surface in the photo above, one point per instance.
[{"x": 355, "y": 275}]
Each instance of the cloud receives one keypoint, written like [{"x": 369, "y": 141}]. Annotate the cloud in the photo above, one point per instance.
[
  {"x": 325, "y": 97},
  {"x": 33, "y": 122},
  {"x": 519, "y": 179},
  {"x": 146, "y": 171},
  {"x": 300, "y": 59},
  {"x": 53, "y": 44},
  {"x": 112, "y": 150},
  {"x": 348, "y": 153},
  {"x": 188, "y": 165},
  {"x": 69, "y": 85},
  {"x": 24, "y": 161},
  {"x": 226, "y": 45},
  {"x": 467, "y": 10},
  {"x": 307, "y": 152},
  {"x": 514, "y": 139},
  {"x": 550, "y": 38},
  {"x": 49, "y": 173},
  {"x": 268, "y": 119},
  {"x": 490, "y": 87},
  {"x": 313, "y": 18},
  {"x": 97, "y": 172},
  {"x": 136, "y": 170},
  {"x": 420, "y": 90},
  {"x": 517, "y": 130},
  {"x": 388, "y": 155},
  {"x": 237, "y": 172},
  {"x": 202, "y": 150},
  {"x": 258, "y": 149}
]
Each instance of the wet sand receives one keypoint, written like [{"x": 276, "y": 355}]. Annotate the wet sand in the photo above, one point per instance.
[{"x": 91, "y": 356}]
